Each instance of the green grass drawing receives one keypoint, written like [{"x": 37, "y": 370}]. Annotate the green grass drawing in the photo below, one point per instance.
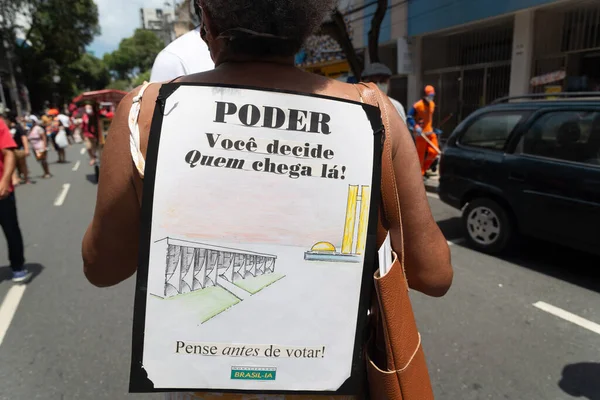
[
  {"x": 212, "y": 301},
  {"x": 255, "y": 285},
  {"x": 207, "y": 302}
]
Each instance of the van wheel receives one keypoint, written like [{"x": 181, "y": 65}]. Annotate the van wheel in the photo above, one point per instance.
[{"x": 487, "y": 225}]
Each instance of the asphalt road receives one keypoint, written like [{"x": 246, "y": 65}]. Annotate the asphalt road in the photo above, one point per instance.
[{"x": 484, "y": 340}]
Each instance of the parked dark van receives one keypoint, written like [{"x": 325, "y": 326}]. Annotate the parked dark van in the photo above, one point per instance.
[{"x": 527, "y": 165}]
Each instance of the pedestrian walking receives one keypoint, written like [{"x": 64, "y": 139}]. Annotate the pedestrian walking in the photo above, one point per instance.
[
  {"x": 39, "y": 142},
  {"x": 89, "y": 127},
  {"x": 21, "y": 174},
  {"x": 420, "y": 119},
  {"x": 8, "y": 207},
  {"x": 77, "y": 125},
  {"x": 65, "y": 121},
  {"x": 380, "y": 75},
  {"x": 60, "y": 139},
  {"x": 253, "y": 46}
]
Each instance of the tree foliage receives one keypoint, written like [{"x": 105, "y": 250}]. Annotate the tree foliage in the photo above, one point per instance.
[
  {"x": 136, "y": 53},
  {"x": 51, "y": 60},
  {"x": 13, "y": 18},
  {"x": 120, "y": 84},
  {"x": 60, "y": 29},
  {"x": 141, "y": 78},
  {"x": 56, "y": 33},
  {"x": 90, "y": 73}
]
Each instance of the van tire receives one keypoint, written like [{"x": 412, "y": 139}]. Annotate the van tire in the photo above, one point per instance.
[{"x": 487, "y": 225}]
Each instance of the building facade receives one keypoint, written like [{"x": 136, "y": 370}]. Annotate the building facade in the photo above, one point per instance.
[
  {"x": 160, "y": 21},
  {"x": 170, "y": 23},
  {"x": 185, "y": 18},
  {"x": 475, "y": 51},
  {"x": 324, "y": 55}
]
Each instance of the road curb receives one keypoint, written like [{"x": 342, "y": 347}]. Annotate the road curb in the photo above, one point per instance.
[
  {"x": 431, "y": 184},
  {"x": 431, "y": 188}
]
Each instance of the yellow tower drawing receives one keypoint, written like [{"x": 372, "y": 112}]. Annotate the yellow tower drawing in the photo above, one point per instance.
[
  {"x": 354, "y": 234},
  {"x": 356, "y": 224},
  {"x": 363, "y": 219},
  {"x": 348, "y": 238}
]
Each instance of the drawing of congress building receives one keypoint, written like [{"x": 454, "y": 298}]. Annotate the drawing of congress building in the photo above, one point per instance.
[{"x": 192, "y": 266}]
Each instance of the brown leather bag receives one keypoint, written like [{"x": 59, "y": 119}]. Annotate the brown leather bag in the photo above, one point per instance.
[{"x": 396, "y": 365}]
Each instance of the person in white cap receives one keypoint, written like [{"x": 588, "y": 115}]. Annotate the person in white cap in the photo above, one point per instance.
[
  {"x": 187, "y": 55},
  {"x": 380, "y": 74}
]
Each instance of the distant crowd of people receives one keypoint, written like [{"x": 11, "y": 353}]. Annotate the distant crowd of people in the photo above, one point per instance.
[
  {"x": 35, "y": 136},
  {"x": 30, "y": 135}
]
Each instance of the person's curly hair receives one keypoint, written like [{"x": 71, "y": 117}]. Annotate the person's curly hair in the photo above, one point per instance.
[{"x": 282, "y": 25}]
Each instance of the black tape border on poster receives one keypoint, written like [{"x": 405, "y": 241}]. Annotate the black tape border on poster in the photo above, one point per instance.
[{"x": 357, "y": 383}]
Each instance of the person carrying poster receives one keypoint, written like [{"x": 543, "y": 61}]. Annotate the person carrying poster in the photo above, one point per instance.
[{"x": 248, "y": 198}]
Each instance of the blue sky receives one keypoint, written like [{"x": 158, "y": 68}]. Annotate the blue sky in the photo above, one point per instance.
[{"x": 118, "y": 20}]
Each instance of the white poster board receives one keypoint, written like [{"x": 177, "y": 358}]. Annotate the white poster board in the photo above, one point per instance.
[{"x": 258, "y": 242}]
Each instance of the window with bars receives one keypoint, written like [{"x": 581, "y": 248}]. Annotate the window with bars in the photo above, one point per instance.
[{"x": 489, "y": 43}]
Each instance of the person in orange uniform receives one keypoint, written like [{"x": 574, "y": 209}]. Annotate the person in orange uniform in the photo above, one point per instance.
[{"x": 420, "y": 120}]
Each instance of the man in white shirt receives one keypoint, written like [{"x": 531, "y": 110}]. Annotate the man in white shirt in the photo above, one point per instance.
[
  {"x": 380, "y": 74},
  {"x": 186, "y": 55}
]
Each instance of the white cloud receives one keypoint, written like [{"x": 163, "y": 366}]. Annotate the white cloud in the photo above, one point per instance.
[{"x": 118, "y": 20}]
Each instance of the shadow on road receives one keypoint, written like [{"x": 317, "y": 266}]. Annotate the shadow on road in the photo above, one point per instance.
[
  {"x": 35, "y": 268},
  {"x": 559, "y": 262},
  {"x": 452, "y": 228},
  {"x": 576, "y": 267},
  {"x": 91, "y": 178},
  {"x": 581, "y": 380}
]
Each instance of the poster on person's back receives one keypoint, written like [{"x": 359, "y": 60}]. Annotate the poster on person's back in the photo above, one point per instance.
[{"x": 258, "y": 244}]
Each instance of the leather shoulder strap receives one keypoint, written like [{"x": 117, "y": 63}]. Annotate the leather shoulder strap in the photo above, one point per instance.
[{"x": 370, "y": 94}]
